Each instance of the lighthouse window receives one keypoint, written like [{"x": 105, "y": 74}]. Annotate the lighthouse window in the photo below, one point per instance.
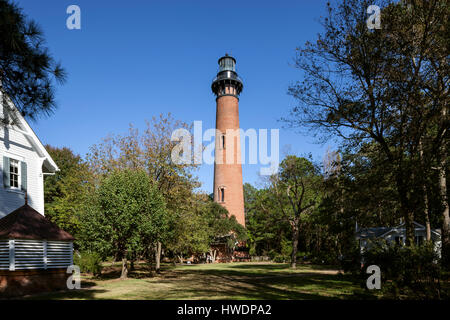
[
  {"x": 223, "y": 141},
  {"x": 222, "y": 194}
]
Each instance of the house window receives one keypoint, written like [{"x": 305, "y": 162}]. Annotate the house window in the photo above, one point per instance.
[
  {"x": 399, "y": 240},
  {"x": 14, "y": 173},
  {"x": 419, "y": 240}
]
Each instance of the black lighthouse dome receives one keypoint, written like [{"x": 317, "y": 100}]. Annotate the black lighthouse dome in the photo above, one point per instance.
[{"x": 227, "y": 81}]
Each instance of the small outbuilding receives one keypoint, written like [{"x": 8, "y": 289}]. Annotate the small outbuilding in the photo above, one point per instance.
[
  {"x": 34, "y": 253},
  {"x": 396, "y": 235}
]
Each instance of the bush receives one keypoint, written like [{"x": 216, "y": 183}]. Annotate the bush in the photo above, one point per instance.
[
  {"x": 252, "y": 252},
  {"x": 279, "y": 258},
  {"x": 412, "y": 272},
  {"x": 351, "y": 260},
  {"x": 286, "y": 247},
  {"x": 303, "y": 256},
  {"x": 89, "y": 262}
]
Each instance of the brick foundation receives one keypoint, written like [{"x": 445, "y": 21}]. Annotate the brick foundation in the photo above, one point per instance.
[{"x": 23, "y": 282}]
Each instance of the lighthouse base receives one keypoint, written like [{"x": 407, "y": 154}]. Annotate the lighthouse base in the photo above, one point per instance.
[{"x": 225, "y": 254}]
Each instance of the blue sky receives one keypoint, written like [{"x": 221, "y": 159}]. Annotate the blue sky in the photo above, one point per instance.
[{"x": 136, "y": 59}]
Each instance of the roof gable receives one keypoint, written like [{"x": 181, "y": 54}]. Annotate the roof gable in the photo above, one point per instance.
[{"x": 22, "y": 126}]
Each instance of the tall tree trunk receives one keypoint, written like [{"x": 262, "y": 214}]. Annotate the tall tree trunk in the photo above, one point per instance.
[
  {"x": 294, "y": 245},
  {"x": 133, "y": 259},
  {"x": 124, "y": 274},
  {"x": 405, "y": 211},
  {"x": 425, "y": 196},
  {"x": 445, "y": 237},
  {"x": 158, "y": 257},
  {"x": 212, "y": 254},
  {"x": 427, "y": 215}
]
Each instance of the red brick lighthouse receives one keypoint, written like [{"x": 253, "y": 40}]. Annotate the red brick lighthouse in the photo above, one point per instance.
[{"x": 228, "y": 186}]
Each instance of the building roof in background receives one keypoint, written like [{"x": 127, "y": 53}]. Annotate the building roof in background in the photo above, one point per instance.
[
  {"x": 370, "y": 233},
  {"x": 28, "y": 224}
]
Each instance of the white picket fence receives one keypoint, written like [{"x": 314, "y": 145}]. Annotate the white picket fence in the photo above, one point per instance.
[{"x": 33, "y": 254}]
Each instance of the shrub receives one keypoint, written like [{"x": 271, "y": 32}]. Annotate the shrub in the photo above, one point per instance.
[
  {"x": 412, "y": 272},
  {"x": 89, "y": 262},
  {"x": 286, "y": 247},
  {"x": 252, "y": 251},
  {"x": 279, "y": 258}
]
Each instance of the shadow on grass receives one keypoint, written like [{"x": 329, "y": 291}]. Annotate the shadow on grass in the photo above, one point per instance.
[
  {"x": 84, "y": 293},
  {"x": 285, "y": 266},
  {"x": 232, "y": 281},
  {"x": 264, "y": 289}
]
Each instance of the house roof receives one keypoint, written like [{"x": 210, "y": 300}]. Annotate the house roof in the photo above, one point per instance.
[
  {"x": 369, "y": 233},
  {"x": 28, "y": 224},
  {"x": 372, "y": 232},
  {"x": 31, "y": 136},
  {"x": 417, "y": 226}
]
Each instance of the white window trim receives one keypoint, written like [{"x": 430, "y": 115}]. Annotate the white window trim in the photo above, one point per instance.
[
  {"x": 20, "y": 159},
  {"x": 19, "y": 175}
]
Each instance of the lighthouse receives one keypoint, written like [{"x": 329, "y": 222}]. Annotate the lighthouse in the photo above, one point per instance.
[{"x": 228, "y": 185}]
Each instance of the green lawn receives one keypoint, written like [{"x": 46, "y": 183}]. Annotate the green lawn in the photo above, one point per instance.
[{"x": 215, "y": 281}]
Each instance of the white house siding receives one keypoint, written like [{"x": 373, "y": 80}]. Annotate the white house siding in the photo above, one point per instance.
[{"x": 16, "y": 145}]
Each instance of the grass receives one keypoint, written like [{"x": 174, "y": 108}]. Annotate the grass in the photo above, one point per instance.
[{"x": 214, "y": 281}]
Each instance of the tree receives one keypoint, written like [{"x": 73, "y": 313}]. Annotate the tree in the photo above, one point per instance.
[
  {"x": 151, "y": 151},
  {"x": 296, "y": 189},
  {"x": 127, "y": 213},
  {"x": 387, "y": 87},
  {"x": 66, "y": 190},
  {"x": 220, "y": 225},
  {"x": 194, "y": 231},
  {"x": 266, "y": 226},
  {"x": 27, "y": 70}
]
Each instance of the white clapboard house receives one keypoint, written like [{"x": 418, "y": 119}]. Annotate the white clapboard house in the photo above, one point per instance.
[
  {"x": 28, "y": 241},
  {"x": 396, "y": 235}
]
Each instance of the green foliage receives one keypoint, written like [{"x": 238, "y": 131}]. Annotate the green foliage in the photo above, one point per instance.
[
  {"x": 126, "y": 214},
  {"x": 388, "y": 105},
  {"x": 406, "y": 271},
  {"x": 220, "y": 223},
  {"x": 89, "y": 262},
  {"x": 194, "y": 230},
  {"x": 151, "y": 150},
  {"x": 265, "y": 224},
  {"x": 189, "y": 235},
  {"x": 282, "y": 212},
  {"x": 286, "y": 247},
  {"x": 66, "y": 191},
  {"x": 27, "y": 70}
]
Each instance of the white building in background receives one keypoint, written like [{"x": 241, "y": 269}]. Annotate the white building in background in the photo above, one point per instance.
[
  {"x": 396, "y": 235},
  {"x": 23, "y": 161}
]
